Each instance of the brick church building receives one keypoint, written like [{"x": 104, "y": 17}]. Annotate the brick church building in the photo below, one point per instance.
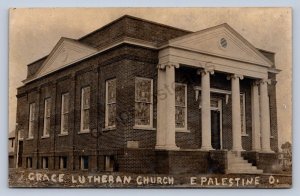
[{"x": 142, "y": 97}]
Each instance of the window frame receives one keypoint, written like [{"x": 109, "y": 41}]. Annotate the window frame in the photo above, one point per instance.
[
  {"x": 82, "y": 165},
  {"x": 62, "y": 163},
  {"x": 31, "y": 120},
  {"x": 29, "y": 160},
  {"x": 82, "y": 111},
  {"x": 150, "y": 126},
  {"x": 109, "y": 163},
  {"x": 46, "y": 102},
  {"x": 182, "y": 129},
  {"x": 63, "y": 113},
  {"x": 45, "y": 162},
  {"x": 106, "y": 103}
]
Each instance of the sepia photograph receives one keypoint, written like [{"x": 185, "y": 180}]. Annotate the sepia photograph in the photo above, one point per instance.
[{"x": 150, "y": 98}]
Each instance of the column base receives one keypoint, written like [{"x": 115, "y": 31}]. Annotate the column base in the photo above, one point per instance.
[
  {"x": 266, "y": 151},
  {"x": 206, "y": 148},
  {"x": 160, "y": 147}
]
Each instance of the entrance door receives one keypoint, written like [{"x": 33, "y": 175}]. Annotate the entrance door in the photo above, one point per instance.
[{"x": 215, "y": 129}]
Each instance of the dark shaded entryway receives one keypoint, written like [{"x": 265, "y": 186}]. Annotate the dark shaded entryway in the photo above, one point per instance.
[{"x": 215, "y": 129}]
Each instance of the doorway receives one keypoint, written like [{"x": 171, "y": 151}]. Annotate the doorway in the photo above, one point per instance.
[{"x": 216, "y": 123}]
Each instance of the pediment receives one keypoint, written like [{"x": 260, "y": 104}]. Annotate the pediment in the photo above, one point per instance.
[
  {"x": 222, "y": 41},
  {"x": 64, "y": 53}
]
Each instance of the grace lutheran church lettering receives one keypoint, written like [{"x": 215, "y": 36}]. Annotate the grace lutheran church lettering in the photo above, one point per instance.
[{"x": 136, "y": 96}]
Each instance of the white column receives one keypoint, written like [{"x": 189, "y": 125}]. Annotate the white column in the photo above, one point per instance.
[
  {"x": 255, "y": 117},
  {"x": 265, "y": 116},
  {"x": 236, "y": 113},
  {"x": 161, "y": 107},
  {"x": 166, "y": 109},
  {"x": 205, "y": 109}
]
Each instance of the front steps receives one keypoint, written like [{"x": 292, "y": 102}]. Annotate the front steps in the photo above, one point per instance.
[{"x": 238, "y": 165}]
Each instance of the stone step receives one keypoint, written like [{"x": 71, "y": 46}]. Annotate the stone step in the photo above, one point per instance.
[
  {"x": 233, "y": 161},
  {"x": 241, "y": 165},
  {"x": 244, "y": 171},
  {"x": 237, "y": 164}
]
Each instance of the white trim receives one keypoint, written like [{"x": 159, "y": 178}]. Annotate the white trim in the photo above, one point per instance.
[
  {"x": 81, "y": 111},
  {"x": 214, "y": 90},
  {"x": 62, "y": 115},
  {"x": 144, "y": 128},
  {"x": 61, "y": 162},
  {"x": 223, "y": 30},
  {"x": 47, "y": 103},
  {"x": 82, "y": 162},
  {"x": 150, "y": 126},
  {"x": 225, "y": 65},
  {"x": 183, "y": 129},
  {"x": 106, "y": 105},
  {"x": 31, "y": 120},
  {"x": 45, "y": 162}
]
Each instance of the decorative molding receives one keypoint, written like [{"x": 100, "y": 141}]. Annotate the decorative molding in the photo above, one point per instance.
[
  {"x": 214, "y": 90},
  {"x": 265, "y": 81},
  {"x": 235, "y": 76},
  {"x": 169, "y": 64},
  {"x": 209, "y": 38},
  {"x": 207, "y": 67}
]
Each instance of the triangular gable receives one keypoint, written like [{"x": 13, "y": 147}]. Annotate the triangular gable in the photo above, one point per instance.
[
  {"x": 64, "y": 53},
  {"x": 221, "y": 41}
]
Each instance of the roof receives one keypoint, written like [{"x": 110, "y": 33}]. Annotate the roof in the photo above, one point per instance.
[
  {"x": 135, "y": 18},
  {"x": 36, "y": 67}
]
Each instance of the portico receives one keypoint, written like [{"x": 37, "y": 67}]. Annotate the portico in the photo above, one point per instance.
[{"x": 219, "y": 49}]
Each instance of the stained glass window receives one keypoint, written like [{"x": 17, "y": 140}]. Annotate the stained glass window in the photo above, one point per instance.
[
  {"x": 143, "y": 102},
  {"x": 65, "y": 113},
  {"x": 47, "y": 114},
  {"x": 31, "y": 120},
  {"x": 110, "y": 103},
  {"x": 180, "y": 105},
  {"x": 85, "y": 109}
]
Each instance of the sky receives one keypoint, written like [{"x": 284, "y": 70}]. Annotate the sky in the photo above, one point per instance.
[{"x": 34, "y": 32}]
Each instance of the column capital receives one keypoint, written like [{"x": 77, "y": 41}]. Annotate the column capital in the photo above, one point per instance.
[
  {"x": 235, "y": 76},
  {"x": 265, "y": 81},
  {"x": 163, "y": 66},
  {"x": 206, "y": 70},
  {"x": 255, "y": 82}
]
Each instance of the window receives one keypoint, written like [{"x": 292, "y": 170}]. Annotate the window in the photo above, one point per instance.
[
  {"x": 21, "y": 134},
  {"x": 243, "y": 113},
  {"x": 47, "y": 115},
  {"x": 63, "y": 162},
  {"x": 110, "y": 109},
  {"x": 29, "y": 162},
  {"x": 143, "y": 102},
  {"x": 64, "y": 127},
  {"x": 45, "y": 162},
  {"x": 109, "y": 163},
  {"x": 85, "y": 109},
  {"x": 181, "y": 106},
  {"x": 84, "y": 162},
  {"x": 31, "y": 120},
  {"x": 12, "y": 143}
]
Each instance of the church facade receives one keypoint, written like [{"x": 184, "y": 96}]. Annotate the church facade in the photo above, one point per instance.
[{"x": 142, "y": 97}]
